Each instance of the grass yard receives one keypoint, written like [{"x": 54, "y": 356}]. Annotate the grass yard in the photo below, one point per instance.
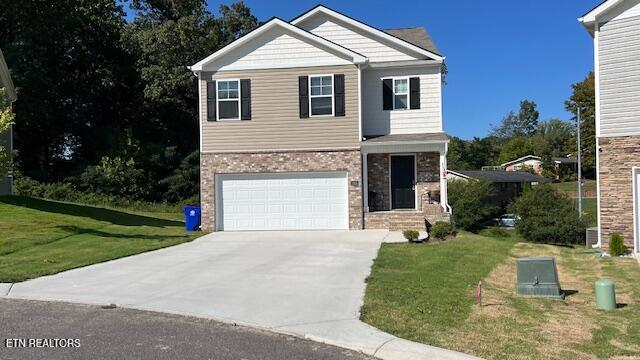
[
  {"x": 589, "y": 210},
  {"x": 425, "y": 293},
  {"x": 40, "y": 237},
  {"x": 572, "y": 186}
]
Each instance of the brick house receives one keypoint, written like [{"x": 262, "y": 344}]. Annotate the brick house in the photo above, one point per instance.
[
  {"x": 615, "y": 28},
  {"x": 322, "y": 122}
]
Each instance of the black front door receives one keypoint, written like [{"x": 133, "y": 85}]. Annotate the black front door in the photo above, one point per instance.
[{"x": 403, "y": 172}]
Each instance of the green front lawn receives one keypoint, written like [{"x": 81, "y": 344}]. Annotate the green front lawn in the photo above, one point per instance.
[
  {"x": 572, "y": 186},
  {"x": 40, "y": 237},
  {"x": 426, "y": 293}
]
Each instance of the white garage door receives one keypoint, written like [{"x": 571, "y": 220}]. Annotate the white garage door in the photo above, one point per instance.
[{"x": 292, "y": 201}]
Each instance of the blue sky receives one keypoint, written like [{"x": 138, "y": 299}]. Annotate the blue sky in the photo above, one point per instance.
[{"x": 498, "y": 51}]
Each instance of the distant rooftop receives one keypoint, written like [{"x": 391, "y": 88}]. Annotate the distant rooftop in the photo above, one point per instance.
[
  {"x": 564, "y": 160},
  {"x": 417, "y": 36},
  {"x": 501, "y": 176}
]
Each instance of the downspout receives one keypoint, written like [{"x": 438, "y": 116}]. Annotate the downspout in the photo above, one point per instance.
[{"x": 444, "y": 198}]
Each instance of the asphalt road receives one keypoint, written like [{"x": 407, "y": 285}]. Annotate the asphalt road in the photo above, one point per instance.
[{"x": 131, "y": 334}]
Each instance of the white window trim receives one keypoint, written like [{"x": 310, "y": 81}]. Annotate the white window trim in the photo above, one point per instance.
[
  {"x": 407, "y": 93},
  {"x": 333, "y": 92},
  {"x": 218, "y": 100}
]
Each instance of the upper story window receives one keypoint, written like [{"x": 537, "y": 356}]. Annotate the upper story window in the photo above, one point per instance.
[
  {"x": 321, "y": 95},
  {"x": 400, "y": 94},
  {"x": 228, "y": 100}
]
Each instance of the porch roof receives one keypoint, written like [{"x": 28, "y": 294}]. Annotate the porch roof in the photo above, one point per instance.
[{"x": 438, "y": 137}]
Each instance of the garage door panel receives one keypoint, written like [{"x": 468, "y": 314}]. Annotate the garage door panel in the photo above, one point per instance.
[{"x": 282, "y": 201}]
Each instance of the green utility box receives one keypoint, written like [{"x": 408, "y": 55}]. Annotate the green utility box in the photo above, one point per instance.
[
  {"x": 538, "y": 276},
  {"x": 605, "y": 295}
]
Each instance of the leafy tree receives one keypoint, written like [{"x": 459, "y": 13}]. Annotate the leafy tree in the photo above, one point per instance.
[
  {"x": 524, "y": 123},
  {"x": 474, "y": 154},
  {"x": 94, "y": 85},
  {"x": 584, "y": 97},
  {"x": 74, "y": 80},
  {"x": 516, "y": 148},
  {"x": 552, "y": 139},
  {"x": 6, "y": 120}
]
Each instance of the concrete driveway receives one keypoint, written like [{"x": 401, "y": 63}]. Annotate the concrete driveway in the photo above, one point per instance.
[{"x": 309, "y": 284}]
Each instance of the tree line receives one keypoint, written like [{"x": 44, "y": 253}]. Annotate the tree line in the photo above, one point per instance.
[
  {"x": 522, "y": 133},
  {"x": 105, "y": 100}
]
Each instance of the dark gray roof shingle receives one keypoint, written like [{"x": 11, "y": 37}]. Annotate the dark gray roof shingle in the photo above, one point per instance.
[
  {"x": 502, "y": 176},
  {"x": 417, "y": 36}
]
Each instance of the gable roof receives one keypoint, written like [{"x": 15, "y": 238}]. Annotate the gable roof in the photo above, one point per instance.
[
  {"x": 355, "y": 57},
  {"x": 524, "y": 158},
  {"x": 369, "y": 30},
  {"x": 499, "y": 176},
  {"x": 417, "y": 36},
  {"x": 5, "y": 80},
  {"x": 599, "y": 10}
]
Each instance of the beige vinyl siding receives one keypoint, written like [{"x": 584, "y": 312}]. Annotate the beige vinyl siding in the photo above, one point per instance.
[
  {"x": 275, "y": 115},
  {"x": 619, "y": 71},
  {"x": 351, "y": 38}
]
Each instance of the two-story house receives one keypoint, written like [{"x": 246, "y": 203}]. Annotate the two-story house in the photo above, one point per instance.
[
  {"x": 323, "y": 122},
  {"x": 615, "y": 27}
]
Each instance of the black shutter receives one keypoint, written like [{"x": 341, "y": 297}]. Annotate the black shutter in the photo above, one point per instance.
[
  {"x": 338, "y": 97},
  {"x": 211, "y": 100},
  {"x": 414, "y": 93},
  {"x": 303, "y": 91},
  {"x": 387, "y": 94},
  {"x": 245, "y": 99}
]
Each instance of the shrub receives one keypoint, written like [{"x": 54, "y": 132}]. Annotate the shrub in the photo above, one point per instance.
[
  {"x": 617, "y": 246},
  {"x": 115, "y": 176},
  {"x": 441, "y": 229},
  {"x": 411, "y": 235},
  {"x": 60, "y": 191},
  {"x": 547, "y": 216},
  {"x": 470, "y": 203},
  {"x": 26, "y": 186}
]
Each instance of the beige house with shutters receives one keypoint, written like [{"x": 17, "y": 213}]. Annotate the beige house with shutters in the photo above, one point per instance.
[
  {"x": 615, "y": 28},
  {"x": 322, "y": 122}
]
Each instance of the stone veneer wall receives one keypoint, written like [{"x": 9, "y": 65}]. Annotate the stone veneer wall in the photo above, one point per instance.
[
  {"x": 291, "y": 161},
  {"x": 428, "y": 180},
  {"x": 618, "y": 156}
]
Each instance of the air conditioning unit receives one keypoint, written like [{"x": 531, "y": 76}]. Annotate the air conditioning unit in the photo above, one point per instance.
[{"x": 592, "y": 237}]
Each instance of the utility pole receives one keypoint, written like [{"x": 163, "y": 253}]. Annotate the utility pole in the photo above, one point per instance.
[{"x": 579, "y": 169}]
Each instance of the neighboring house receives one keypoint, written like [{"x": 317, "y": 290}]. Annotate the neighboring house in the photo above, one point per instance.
[
  {"x": 323, "y": 122},
  {"x": 615, "y": 27},
  {"x": 565, "y": 166},
  {"x": 525, "y": 162},
  {"x": 6, "y": 138},
  {"x": 506, "y": 185}
]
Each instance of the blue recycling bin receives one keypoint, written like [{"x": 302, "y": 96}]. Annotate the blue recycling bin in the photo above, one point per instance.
[{"x": 192, "y": 217}]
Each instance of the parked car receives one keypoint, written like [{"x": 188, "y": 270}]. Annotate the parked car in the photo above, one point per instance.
[{"x": 505, "y": 220}]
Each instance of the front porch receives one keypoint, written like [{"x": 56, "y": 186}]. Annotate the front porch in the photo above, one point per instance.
[{"x": 404, "y": 181}]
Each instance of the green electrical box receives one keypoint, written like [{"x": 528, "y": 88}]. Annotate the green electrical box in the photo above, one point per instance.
[{"x": 538, "y": 276}]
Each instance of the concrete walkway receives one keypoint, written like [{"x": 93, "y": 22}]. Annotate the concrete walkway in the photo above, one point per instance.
[{"x": 308, "y": 284}]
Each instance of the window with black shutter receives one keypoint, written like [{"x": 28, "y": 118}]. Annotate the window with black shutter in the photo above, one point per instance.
[{"x": 211, "y": 100}]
